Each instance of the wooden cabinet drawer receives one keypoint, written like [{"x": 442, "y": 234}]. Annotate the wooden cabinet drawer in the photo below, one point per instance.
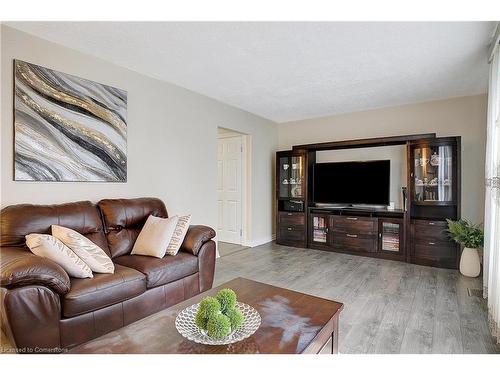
[
  {"x": 431, "y": 245},
  {"x": 431, "y": 232},
  {"x": 292, "y": 233},
  {"x": 431, "y": 223},
  {"x": 436, "y": 227},
  {"x": 354, "y": 242},
  {"x": 355, "y": 224},
  {"x": 292, "y": 218},
  {"x": 436, "y": 252}
]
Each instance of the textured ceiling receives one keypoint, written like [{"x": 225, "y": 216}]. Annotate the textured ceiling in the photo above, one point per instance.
[{"x": 291, "y": 71}]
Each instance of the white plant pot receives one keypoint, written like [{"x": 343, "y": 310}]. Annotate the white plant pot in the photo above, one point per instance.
[{"x": 469, "y": 263}]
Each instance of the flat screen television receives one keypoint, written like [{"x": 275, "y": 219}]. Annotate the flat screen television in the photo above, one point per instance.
[{"x": 352, "y": 183}]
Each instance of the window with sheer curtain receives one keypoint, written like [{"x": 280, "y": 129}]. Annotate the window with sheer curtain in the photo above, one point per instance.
[{"x": 491, "y": 272}]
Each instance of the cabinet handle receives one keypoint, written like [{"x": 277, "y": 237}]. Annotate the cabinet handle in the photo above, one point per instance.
[
  {"x": 432, "y": 243},
  {"x": 289, "y": 214},
  {"x": 289, "y": 228},
  {"x": 351, "y": 218},
  {"x": 352, "y": 235},
  {"x": 432, "y": 223}
]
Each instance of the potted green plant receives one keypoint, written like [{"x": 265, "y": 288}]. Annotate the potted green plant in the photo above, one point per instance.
[{"x": 471, "y": 237}]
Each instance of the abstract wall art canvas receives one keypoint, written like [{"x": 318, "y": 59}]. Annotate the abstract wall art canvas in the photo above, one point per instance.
[{"x": 67, "y": 128}]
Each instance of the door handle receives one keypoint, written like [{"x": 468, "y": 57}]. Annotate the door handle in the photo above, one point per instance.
[
  {"x": 352, "y": 235},
  {"x": 289, "y": 228}
]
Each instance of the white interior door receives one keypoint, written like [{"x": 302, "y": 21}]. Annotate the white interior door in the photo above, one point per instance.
[{"x": 229, "y": 192}]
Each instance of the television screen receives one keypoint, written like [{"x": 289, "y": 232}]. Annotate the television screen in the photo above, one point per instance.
[{"x": 355, "y": 182}]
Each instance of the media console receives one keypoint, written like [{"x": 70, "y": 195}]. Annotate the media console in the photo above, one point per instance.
[
  {"x": 416, "y": 234},
  {"x": 370, "y": 232}
]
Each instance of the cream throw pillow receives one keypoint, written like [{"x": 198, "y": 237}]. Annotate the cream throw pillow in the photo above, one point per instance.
[
  {"x": 47, "y": 246},
  {"x": 179, "y": 234},
  {"x": 89, "y": 252},
  {"x": 155, "y": 236}
]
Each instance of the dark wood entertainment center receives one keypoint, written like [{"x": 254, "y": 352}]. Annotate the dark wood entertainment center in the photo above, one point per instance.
[{"x": 415, "y": 234}]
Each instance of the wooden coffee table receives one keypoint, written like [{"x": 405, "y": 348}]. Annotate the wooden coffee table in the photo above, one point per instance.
[{"x": 292, "y": 322}]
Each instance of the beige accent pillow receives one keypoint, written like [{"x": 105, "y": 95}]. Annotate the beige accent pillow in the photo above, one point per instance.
[
  {"x": 47, "y": 246},
  {"x": 155, "y": 236},
  {"x": 89, "y": 252},
  {"x": 179, "y": 234}
]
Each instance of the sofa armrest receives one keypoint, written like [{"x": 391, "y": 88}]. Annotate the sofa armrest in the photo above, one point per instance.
[
  {"x": 196, "y": 236},
  {"x": 21, "y": 268},
  {"x": 206, "y": 265}
]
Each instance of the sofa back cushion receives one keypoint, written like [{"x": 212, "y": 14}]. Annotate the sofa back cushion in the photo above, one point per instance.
[
  {"x": 124, "y": 219},
  {"x": 19, "y": 220}
]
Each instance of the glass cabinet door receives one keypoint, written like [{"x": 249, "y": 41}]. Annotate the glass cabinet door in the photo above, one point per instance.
[
  {"x": 319, "y": 232},
  {"x": 291, "y": 177},
  {"x": 284, "y": 177},
  {"x": 390, "y": 236},
  {"x": 433, "y": 174}
]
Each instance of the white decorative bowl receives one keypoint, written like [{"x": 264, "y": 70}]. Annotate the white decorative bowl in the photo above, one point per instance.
[{"x": 186, "y": 326}]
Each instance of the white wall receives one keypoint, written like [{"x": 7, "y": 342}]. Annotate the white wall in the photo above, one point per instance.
[
  {"x": 172, "y": 139},
  {"x": 465, "y": 116},
  {"x": 396, "y": 154}
]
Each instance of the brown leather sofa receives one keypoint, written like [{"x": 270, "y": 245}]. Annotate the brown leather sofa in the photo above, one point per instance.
[{"x": 43, "y": 309}]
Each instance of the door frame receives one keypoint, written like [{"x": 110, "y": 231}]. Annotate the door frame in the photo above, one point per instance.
[{"x": 246, "y": 159}]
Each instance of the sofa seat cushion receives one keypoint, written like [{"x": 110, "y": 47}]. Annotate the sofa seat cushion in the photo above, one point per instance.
[
  {"x": 160, "y": 271},
  {"x": 103, "y": 290}
]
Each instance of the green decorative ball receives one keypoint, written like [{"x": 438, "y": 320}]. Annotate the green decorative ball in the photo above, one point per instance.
[
  {"x": 235, "y": 317},
  {"x": 218, "y": 315},
  {"x": 201, "y": 320},
  {"x": 209, "y": 306},
  {"x": 218, "y": 326},
  {"x": 227, "y": 299}
]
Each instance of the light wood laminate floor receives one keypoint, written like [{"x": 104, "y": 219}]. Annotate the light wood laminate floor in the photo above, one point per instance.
[{"x": 390, "y": 307}]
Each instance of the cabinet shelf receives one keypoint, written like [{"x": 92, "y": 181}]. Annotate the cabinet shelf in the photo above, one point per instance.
[
  {"x": 433, "y": 185},
  {"x": 433, "y": 203}
]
